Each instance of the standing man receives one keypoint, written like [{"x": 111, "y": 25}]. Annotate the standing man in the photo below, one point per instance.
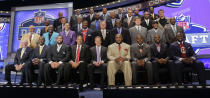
[
  {"x": 57, "y": 22},
  {"x": 98, "y": 61},
  {"x": 31, "y": 38},
  {"x": 146, "y": 21},
  {"x": 119, "y": 59},
  {"x": 120, "y": 14},
  {"x": 104, "y": 15},
  {"x": 162, "y": 20},
  {"x": 152, "y": 14},
  {"x": 129, "y": 21},
  {"x": 74, "y": 17},
  {"x": 140, "y": 54},
  {"x": 95, "y": 25},
  {"x": 50, "y": 37},
  {"x": 45, "y": 29},
  {"x": 91, "y": 17},
  {"x": 58, "y": 56},
  {"x": 77, "y": 27},
  {"x": 136, "y": 13},
  {"x": 61, "y": 27},
  {"x": 69, "y": 37},
  {"x": 111, "y": 21},
  {"x": 136, "y": 30}
]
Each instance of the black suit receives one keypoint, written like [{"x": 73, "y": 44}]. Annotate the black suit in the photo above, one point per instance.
[
  {"x": 56, "y": 23},
  {"x": 62, "y": 56},
  {"x": 106, "y": 41},
  {"x": 176, "y": 54},
  {"x": 90, "y": 20},
  {"x": 102, "y": 67},
  {"x": 144, "y": 24},
  {"x": 89, "y": 37},
  {"x": 84, "y": 59},
  {"x": 26, "y": 60},
  {"x": 43, "y": 60},
  {"x": 163, "y": 53},
  {"x": 109, "y": 24},
  {"x": 125, "y": 34}
]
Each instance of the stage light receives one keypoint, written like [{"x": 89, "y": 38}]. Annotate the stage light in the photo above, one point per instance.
[
  {"x": 129, "y": 87},
  {"x": 121, "y": 87},
  {"x": 155, "y": 87},
  {"x": 172, "y": 86},
  {"x": 180, "y": 86},
  {"x": 198, "y": 86},
  {"x": 146, "y": 87},
  {"x": 207, "y": 86},
  {"x": 189, "y": 86},
  {"x": 163, "y": 87},
  {"x": 138, "y": 87}
]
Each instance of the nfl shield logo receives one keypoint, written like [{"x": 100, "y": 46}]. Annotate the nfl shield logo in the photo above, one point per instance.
[
  {"x": 183, "y": 21},
  {"x": 2, "y": 26},
  {"x": 39, "y": 17}
]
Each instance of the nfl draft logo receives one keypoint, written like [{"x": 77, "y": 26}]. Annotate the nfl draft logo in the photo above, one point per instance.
[
  {"x": 2, "y": 26},
  {"x": 183, "y": 21},
  {"x": 39, "y": 17}
]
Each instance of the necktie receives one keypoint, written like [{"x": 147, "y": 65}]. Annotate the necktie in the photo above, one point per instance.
[
  {"x": 129, "y": 20},
  {"x": 30, "y": 37},
  {"x": 46, "y": 29},
  {"x": 153, "y": 16},
  {"x": 118, "y": 30},
  {"x": 84, "y": 34},
  {"x": 174, "y": 28},
  {"x": 141, "y": 49},
  {"x": 40, "y": 50},
  {"x": 22, "y": 52},
  {"x": 158, "y": 47},
  {"x": 138, "y": 28},
  {"x": 113, "y": 22},
  {"x": 98, "y": 54},
  {"x": 119, "y": 47},
  {"x": 79, "y": 27},
  {"x": 97, "y": 25},
  {"x": 78, "y": 54},
  {"x": 183, "y": 50},
  {"x": 104, "y": 34}
]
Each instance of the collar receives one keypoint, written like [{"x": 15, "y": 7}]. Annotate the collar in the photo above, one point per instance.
[
  {"x": 141, "y": 44},
  {"x": 180, "y": 42}
]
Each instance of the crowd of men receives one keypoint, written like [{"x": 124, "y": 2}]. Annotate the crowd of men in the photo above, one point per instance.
[{"x": 125, "y": 41}]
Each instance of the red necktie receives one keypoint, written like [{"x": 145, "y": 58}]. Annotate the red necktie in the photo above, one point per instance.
[
  {"x": 119, "y": 47},
  {"x": 78, "y": 54},
  {"x": 183, "y": 50},
  {"x": 84, "y": 34}
]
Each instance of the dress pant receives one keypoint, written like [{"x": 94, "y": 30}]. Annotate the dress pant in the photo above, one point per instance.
[
  {"x": 49, "y": 74},
  {"x": 91, "y": 70},
  {"x": 10, "y": 68},
  {"x": 148, "y": 66},
  {"x": 197, "y": 66},
  {"x": 70, "y": 72},
  {"x": 40, "y": 66},
  {"x": 169, "y": 65},
  {"x": 125, "y": 67}
]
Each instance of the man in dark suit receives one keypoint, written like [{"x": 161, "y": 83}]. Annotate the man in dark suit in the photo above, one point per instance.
[
  {"x": 21, "y": 62},
  {"x": 146, "y": 21},
  {"x": 87, "y": 34},
  {"x": 120, "y": 30},
  {"x": 77, "y": 27},
  {"x": 91, "y": 17},
  {"x": 74, "y": 17},
  {"x": 104, "y": 34},
  {"x": 98, "y": 61},
  {"x": 184, "y": 56},
  {"x": 129, "y": 21},
  {"x": 160, "y": 59},
  {"x": 95, "y": 24},
  {"x": 80, "y": 59},
  {"x": 171, "y": 30},
  {"x": 104, "y": 15},
  {"x": 39, "y": 59},
  {"x": 45, "y": 29},
  {"x": 61, "y": 27},
  {"x": 141, "y": 55},
  {"x": 120, "y": 14},
  {"x": 111, "y": 21},
  {"x": 136, "y": 13},
  {"x": 58, "y": 56},
  {"x": 152, "y": 14},
  {"x": 57, "y": 22}
]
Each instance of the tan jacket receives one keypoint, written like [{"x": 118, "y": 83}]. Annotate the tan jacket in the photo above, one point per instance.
[
  {"x": 33, "y": 43},
  {"x": 113, "y": 51}
]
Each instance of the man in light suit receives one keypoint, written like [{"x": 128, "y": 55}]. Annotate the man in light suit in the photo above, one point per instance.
[
  {"x": 136, "y": 30},
  {"x": 95, "y": 25},
  {"x": 171, "y": 30},
  {"x": 119, "y": 59},
  {"x": 98, "y": 61},
  {"x": 31, "y": 37},
  {"x": 69, "y": 37},
  {"x": 150, "y": 35},
  {"x": 61, "y": 27},
  {"x": 50, "y": 37},
  {"x": 140, "y": 54},
  {"x": 128, "y": 22}
]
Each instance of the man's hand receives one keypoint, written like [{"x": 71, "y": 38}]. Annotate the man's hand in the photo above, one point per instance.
[
  {"x": 96, "y": 63},
  {"x": 57, "y": 64},
  {"x": 118, "y": 59},
  {"x": 36, "y": 61},
  {"x": 164, "y": 61},
  {"x": 52, "y": 65},
  {"x": 74, "y": 64},
  {"x": 140, "y": 62},
  {"x": 186, "y": 60}
]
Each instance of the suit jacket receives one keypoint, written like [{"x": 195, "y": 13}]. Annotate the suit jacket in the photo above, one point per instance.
[
  {"x": 136, "y": 55},
  {"x": 113, "y": 51},
  {"x": 151, "y": 33},
  {"x": 93, "y": 25},
  {"x": 33, "y": 43},
  {"x": 169, "y": 33},
  {"x": 90, "y": 20},
  {"x": 134, "y": 32},
  {"x": 89, "y": 37},
  {"x": 75, "y": 28},
  {"x": 52, "y": 40},
  {"x": 59, "y": 29},
  {"x": 85, "y": 55},
  {"x": 73, "y": 20},
  {"x": 43, "y": 54},
  {"x": 144, "y": 24},
  {"x": 63, "y": 55},
  {"x": 56, "y": 23},
  {"x": 175, "y": 51},
  {"x": 121, "y": 17},
  {"x": 160, "y": 26},
  {"x": 104, "y": 18},
  {"x": 125, "y": 23},
  {"x": 109, "y": 24},
  {"x": 155, "y": 16},
  {"x": 106, "y": 41},
  {"x": 125, "y": 34},
  {"x": 158, "y": 55},
  {"x": 70, "y": 39},
  {"x": 26, "y": 58},
  {"x": 103, "y": 54}
]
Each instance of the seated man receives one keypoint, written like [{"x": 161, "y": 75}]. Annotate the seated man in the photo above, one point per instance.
[
  {"x": 184, "y": 56},
  {"x": 140, "y": 54},
  {"x": 21, "y": 62},
  {"x": 58, "y": 56},
  {"x": 99, "y": 58},
  {"x": 119, "y": 55},
  {"x": 39, "y": 60},
  {"x": 80, "y": 59},
  {"x": 160, "y": 59}
]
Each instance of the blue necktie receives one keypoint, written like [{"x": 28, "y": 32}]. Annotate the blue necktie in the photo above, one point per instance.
[
  {"x": 98, "y": 54},
  {"x": 118, "y": 30},
  {"x": 97, "y": 25}
]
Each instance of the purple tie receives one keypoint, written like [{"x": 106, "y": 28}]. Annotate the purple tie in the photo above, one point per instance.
[{"x": 98, "y": 54}]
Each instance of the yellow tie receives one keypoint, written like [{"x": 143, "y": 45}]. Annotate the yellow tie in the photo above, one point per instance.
[
  {"x": 22, "y": 52},
  {"x": 40, "y": 50}
]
